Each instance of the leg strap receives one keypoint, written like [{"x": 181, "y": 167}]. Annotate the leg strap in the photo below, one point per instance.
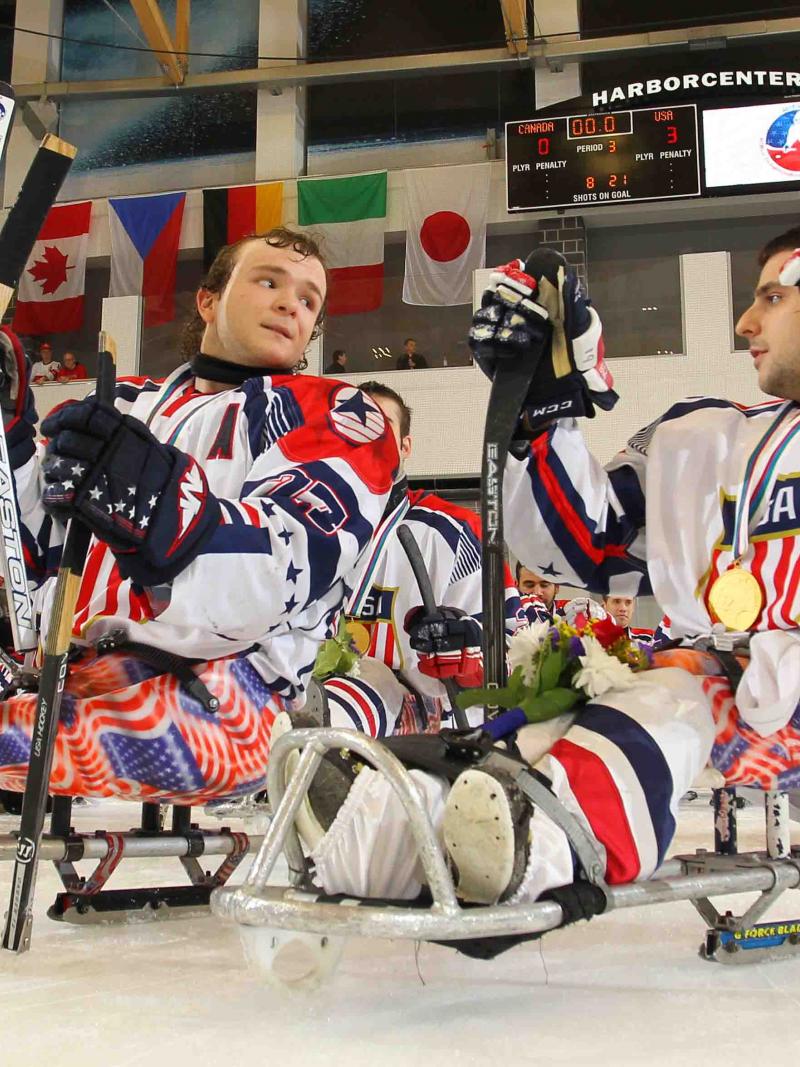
[
  {"x": 537, "y": 789},
  {"x": 165, "y": 663}
]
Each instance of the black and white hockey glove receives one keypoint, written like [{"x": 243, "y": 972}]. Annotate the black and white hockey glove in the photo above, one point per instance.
[
  {"x": 16, "y": 399},
  {"x": 449, "y": 644},
  {"x": 148, "y": 501},
  {"x": 540, "y": 302}
]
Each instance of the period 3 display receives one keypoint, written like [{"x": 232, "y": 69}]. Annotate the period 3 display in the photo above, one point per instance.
[{"x": 616, "y": 157}]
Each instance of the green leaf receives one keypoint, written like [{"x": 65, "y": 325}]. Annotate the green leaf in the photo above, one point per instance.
[
  {"x": 548, "y": 705},
  {"x": 328, "y": 657}
]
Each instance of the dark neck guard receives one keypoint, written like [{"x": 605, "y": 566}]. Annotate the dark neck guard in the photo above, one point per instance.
[
  {"x": 399, "y": 490},
  {"x": 220, "y": 370}
]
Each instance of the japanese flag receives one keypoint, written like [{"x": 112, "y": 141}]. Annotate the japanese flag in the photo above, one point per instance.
[{"x": 446, "y": 210}]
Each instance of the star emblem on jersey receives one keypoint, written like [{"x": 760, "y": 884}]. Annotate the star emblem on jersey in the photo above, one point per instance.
[{"x": 355, "y": 417}]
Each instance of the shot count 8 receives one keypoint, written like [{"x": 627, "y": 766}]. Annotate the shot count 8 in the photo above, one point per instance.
[{"x": 586, "y": 160}]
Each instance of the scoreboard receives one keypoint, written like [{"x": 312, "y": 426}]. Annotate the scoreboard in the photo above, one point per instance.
[{"x": 619, "y": 156}]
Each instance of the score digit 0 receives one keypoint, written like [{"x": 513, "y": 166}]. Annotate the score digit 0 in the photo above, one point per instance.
[{"x": 593, "y": 125}]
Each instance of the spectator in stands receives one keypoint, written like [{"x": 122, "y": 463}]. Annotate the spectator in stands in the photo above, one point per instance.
[
  {"x": 338, "y": 363},
  {"x": 411, "y": 359},
  {"x": 45, "y": 369},
  {"x": 71, "y": 370}
]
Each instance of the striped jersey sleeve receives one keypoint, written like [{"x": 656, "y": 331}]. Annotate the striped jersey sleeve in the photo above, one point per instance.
[{"x": 588, "y": 520}]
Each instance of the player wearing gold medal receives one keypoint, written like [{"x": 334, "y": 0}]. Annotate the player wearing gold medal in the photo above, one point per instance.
[
  {"x": 709, "y": 489},
  {"x": 701, "y": 509}
]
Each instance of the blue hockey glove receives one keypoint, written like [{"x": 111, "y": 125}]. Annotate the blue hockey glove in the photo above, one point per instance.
[
  {"x": 537, "y": 303},
  {"x": 148, "y": 501},
  {"x": 16, "y": 399}
]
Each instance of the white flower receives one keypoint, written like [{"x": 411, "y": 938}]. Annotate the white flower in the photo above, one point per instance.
[
  {"x": 524, "y": 648},
  {"x": 355, "y": 669},
  {"x": 599, "y": 671}
]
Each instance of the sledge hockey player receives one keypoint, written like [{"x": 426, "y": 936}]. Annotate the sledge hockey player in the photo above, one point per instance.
[
  {"x": 230, "y": 504},
  {"x": 400, "y": 681},
  {"x": 623, "y": 765}
]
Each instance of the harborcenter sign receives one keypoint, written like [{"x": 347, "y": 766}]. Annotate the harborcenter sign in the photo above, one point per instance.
[{"x": 696, "y": 83}]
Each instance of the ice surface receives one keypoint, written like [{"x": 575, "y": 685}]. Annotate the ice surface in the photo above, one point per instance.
[{"x": 625, "y": 989}]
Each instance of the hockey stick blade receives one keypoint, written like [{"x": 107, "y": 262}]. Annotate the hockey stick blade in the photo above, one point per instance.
[
  {"x": 423, "y": 580},
  {"x": 19, "y": 920},
  {"x": 36, "y": 196},
  {"x": 512, "y": 380}
]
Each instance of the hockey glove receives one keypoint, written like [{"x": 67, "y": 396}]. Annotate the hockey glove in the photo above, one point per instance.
[
  {"x": 540, "y": 303},
  {"x": 449, "y": 644},
  {"x": 581, "y": 609},
  {"x": 148, "y": 501},
  {"x": 16, "y": 399}
]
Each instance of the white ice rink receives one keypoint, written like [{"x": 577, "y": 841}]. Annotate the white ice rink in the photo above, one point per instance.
[{"x": 625, "y": 989}]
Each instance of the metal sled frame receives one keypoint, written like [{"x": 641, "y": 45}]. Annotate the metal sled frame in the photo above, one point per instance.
[
  {"x": 302, "y": 907},
  {"x": 87, "y": 900}
]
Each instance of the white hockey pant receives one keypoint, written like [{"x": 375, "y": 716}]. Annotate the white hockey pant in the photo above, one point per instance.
[{"x": 621, "y": 767}]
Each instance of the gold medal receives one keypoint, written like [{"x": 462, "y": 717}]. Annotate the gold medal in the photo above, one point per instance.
[
  {"x": 736, "y": 599},
  {"x": 359, "y": 635}
]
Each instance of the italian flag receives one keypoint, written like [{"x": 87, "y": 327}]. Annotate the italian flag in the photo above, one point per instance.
[
  {"x": 348, "y": 217},
  {"x": 229, "y": 214}
]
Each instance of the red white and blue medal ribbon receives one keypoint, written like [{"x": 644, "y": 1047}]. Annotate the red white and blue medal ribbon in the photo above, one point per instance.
[{"x": 380, "y": 541}]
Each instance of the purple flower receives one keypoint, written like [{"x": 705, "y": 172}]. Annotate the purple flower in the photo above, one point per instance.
[
  {"x": 555, "y": 638},
  {"x": 576, "y": 647}
]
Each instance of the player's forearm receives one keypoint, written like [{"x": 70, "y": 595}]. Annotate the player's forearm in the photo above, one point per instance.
[
  {"x": 561, "y": 504},
  {"x": 267, "y": 566}
]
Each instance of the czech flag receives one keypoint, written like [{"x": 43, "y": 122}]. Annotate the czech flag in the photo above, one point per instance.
[{"x": 145, "y": 232}]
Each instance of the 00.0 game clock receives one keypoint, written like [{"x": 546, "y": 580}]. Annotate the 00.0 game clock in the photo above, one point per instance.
[{"x": 586, "y": 160}]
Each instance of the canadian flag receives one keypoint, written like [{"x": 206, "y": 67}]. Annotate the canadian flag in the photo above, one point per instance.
[
  {"x": 446, "y": 211},
  {"x": 50, "y": 294}
]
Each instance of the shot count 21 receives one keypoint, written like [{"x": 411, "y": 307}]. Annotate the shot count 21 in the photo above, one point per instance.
[{"x": 586, "y": 160}]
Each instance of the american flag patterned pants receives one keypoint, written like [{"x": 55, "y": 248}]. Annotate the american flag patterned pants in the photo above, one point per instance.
[
  {"x": 740, "y": 753},
  {"x": 127, "y": 731}
]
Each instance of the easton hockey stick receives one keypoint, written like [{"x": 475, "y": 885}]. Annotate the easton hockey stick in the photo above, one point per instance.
[
  {"x": 512, "y": 380},
  {"x": 17, "y": 935},
  {"x": 411, "y": 549},
  {"x": 17, "y": 238}
]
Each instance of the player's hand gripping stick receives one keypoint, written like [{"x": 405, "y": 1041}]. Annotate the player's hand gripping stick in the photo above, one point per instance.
[{"x": 411, "y": 549}]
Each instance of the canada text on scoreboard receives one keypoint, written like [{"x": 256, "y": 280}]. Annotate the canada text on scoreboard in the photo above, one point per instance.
[{"x": 585, "y": 160}]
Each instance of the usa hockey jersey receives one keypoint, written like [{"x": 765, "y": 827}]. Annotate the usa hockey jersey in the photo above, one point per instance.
[
  {"x": 302, "y": 468},
  {"x": 658, "y": 519},
  {"x": 449, "y": 539}
]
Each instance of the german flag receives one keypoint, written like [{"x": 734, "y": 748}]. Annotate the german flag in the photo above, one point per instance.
[{"x": 229, "y": 214}]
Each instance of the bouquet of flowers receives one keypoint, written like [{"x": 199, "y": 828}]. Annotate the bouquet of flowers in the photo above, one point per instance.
[{"x": 556, "y": 667}]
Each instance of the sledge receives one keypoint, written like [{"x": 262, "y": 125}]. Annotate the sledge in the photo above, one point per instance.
[
  {"x": 275, "y": 917},
  {"x": 86, "y": 899}
]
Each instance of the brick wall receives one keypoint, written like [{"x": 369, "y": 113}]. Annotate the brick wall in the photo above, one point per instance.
[{"x": 568, "y": 236}]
